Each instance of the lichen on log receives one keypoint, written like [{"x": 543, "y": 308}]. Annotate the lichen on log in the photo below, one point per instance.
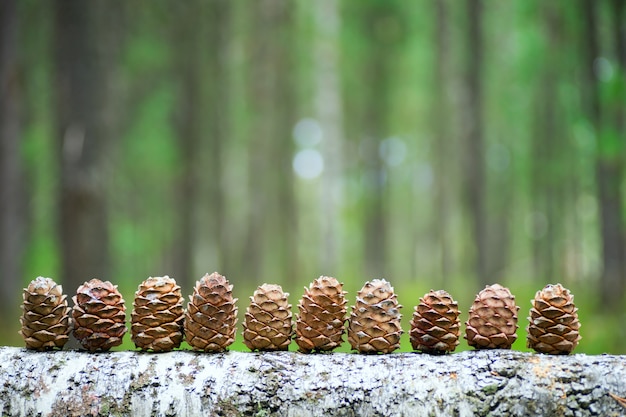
[{"x": 184, "y": 383}]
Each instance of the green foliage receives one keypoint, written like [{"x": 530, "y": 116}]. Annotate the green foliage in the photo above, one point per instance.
[{"x": 611, "y": 145}]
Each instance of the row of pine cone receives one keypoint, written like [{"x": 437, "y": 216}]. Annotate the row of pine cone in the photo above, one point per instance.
[{"x": 159, "y": 322}]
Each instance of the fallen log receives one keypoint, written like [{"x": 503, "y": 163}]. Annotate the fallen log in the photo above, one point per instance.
[{"x": 184, "y": 383}]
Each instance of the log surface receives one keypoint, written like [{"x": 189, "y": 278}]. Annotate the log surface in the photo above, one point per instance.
[{"x": 184, "y": 383}]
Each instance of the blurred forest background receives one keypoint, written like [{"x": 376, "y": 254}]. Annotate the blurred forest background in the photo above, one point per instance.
[{"x": 439, "y": 144}]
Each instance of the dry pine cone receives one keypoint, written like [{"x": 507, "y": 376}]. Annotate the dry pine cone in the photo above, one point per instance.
[
  {"x": 435, "y": 326},
  {"x": 268, "y": 323},
  {"x": 45, "y": 318},
  {"x": 554, "y": 326},
  {"x": 320, "y": 324},
  {"x": 492, "y": 319},
  {"x": 374, "y": 324},
  {"x": 99, "y": 315},
  {"x": 157, "y": 317},
  {"x": 211, "y": 316}
]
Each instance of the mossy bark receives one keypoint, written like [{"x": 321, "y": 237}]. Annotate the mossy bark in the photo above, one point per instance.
[{"x": 183, "y": 383}]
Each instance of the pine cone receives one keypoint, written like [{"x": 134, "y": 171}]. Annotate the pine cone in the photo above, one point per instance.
[
  {"x": 45, "y": 318},
  {"x": 554, "y": 321},
  {"x": 435, "y": 326},
  {"x": 374, "y": 324},
  {"x": 268, "y": 319},
  {"x": 157, "y": 317},
  {"x": 320, "y": 324},
  {"x": 492, "y": 319},
  {"x": 99, "y": 315},
  {"x": 211, "y": 316}
]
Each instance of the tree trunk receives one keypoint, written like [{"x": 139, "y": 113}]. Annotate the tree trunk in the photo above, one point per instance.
[
  {"x": 542, "y": 157},
  {"x": 182, "y": 383},
  {"x": 380, "y": 32},
  {"x": 609, "y": 172},
  {"x": 441, "y": 140},
  {"x": 12, "y": 219},
  {"x": 475, "y": 152},
  {"x": 619, "y": 129},
  {"x": 186, "y": 46},
  {"x": 270, "y": 247},
  {"x": 328, "y": 108},
  {"x": 201, "y": 46},
  {"x": 82, "y": 131},
  {"x": 619, "y": 37},
  {"x": 219, "y": 110},
  {"x": 547, "y": 155}
]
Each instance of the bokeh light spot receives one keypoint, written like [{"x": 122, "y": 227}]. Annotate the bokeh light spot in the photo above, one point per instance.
[
  {"x": 307, "y": 133},
  {"x": 393, "y": 151},
  {"x": 603, "y": 69},
  {"x": 308, "y": 164}
]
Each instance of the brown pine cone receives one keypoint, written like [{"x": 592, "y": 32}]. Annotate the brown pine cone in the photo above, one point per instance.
[
  {"x": 435, "y": 326},
  {"x": 211, "y": 316},
  {"x": 157, "y": 317},
  {"x": 99, "y": 315},
  {"x": 492, "y": 319},
  {"x": 320, "y": 324},
  {"x": 554, "y": 326},
  {"x": 374, "y": 324},
  {"x": 45, "y": 318},
  {"x": 268, "y": 325}
]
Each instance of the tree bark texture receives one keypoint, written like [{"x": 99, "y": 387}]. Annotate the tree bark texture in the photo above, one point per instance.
[{"x": 184, "y": 383}]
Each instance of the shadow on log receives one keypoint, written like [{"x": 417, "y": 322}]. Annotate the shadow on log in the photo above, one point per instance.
[{"x": 184, "y": 383}]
